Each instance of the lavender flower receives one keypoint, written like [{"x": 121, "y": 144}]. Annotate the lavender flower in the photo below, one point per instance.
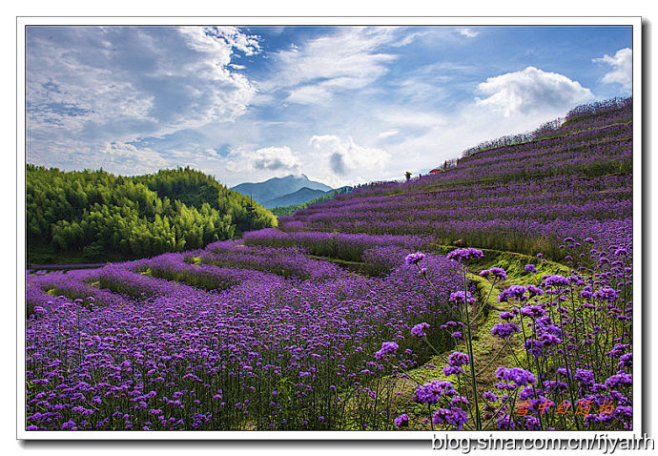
[
  {"x": 520, "y": 377},
  {"x": 504, "y": 315},
  {"x": 505, "y": 330},
  {"x": 532, "y": 423},
  {"x": 387, "y": 347},
  {"x": 461, "y": 297},
  {"x": 532, "y": 311},
  {"x": 534, "y": 291},
  {"x": 620, "y": 379},
  {"x": 402, "y": 420},
  {"x": 453, "y": 416},
  {"x": 585, "y": 377},
  {"x": 498, "y": 273},
  {"x": 453, "y": 370},
  {"x": 606, "y": 294},
  {"x": 462, "y": 255},
  {"x": 555, "y": 280},
  {"x": 505, "y": 422},
  {"x": 414, "y": 258},
  {"x": 626, "y": 361},
  {"x": 432, "y": 392},
  {"x": 457, "y": 335},
  {"x": 419, "y": 329},
  {"x": 516, "y": 292},
  {"x": 458, "y": 359}
]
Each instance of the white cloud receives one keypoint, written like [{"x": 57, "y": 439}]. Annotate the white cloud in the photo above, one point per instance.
[
  {"x": 128, "y": 159},
  {"x": 276, "y": 158},
  {"x": 407, "y": 39},
  {"x": 345, "y": 157},
  {"x": 421, "y": 149},
  {"x": 531, "y": 90},
  {"x": 114, "y": 96},
  {"x": 310, "y": 94},
  {"x": 411, "y": 118},
  {"x": 622, "y": 68},
  {"x": 344, "y": 60},
  {"x": 389, "y": 133},
  {"x": 218, "y": 94},
  {"x": 235, "y": 38},
  {"x": 527, "y": 99},
  {"x": 470, "y": 33},
  {"x": 118, "y": 84},
  {"x": 204, "y": 40}
]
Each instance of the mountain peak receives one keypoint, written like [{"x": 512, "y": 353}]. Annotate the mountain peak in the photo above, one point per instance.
[
  {"x": 263, "y": 192},
  {"x": 290, "y": 177}
]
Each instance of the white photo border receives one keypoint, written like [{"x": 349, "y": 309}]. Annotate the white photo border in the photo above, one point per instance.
[{"x": 23, "y": 22}]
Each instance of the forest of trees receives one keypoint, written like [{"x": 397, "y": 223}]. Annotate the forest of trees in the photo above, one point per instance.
[{"x": 94, "y": 215}]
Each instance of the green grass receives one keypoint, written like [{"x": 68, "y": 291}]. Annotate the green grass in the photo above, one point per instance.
[{"x": 489, "y": 352}]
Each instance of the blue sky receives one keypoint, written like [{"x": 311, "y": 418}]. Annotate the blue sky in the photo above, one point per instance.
[{"x": 342, "y": 105}]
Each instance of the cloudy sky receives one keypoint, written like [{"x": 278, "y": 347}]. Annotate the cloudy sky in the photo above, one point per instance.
[{"x": 342, "y": 105}]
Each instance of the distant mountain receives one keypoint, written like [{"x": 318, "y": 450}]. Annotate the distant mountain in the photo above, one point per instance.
[
  {"x": 325, "y": 196},
  {"x": 300, "y": 196},
  {"x": 277, "y": 187}
]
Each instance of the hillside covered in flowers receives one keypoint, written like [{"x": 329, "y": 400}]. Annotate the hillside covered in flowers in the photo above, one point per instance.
[{"x": 495, "y": 295}]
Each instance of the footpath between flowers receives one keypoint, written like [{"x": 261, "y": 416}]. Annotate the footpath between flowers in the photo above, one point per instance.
[{"x": 490, "y": 351}]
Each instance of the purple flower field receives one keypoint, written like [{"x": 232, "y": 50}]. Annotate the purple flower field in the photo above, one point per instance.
[
  {"x": 263, "y": 350},
  {"x": 276, "y": 332},
  {"x": 577, "y": 182}
]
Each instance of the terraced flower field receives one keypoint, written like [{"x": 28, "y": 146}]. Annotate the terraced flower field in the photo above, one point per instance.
[
  {"x": 576, "y": 181},
  {"x": 360, "y": 313}
]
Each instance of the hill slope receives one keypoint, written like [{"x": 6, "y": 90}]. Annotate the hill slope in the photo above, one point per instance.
[
  {"x": 94, "y": 215},
  {"x": 527, "y": 197}
]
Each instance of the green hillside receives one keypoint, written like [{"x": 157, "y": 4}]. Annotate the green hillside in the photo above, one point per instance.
[{"x": 96, "y": 216}]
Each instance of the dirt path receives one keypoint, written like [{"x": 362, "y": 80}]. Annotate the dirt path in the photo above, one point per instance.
[{"x": 489, "y": 351}]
